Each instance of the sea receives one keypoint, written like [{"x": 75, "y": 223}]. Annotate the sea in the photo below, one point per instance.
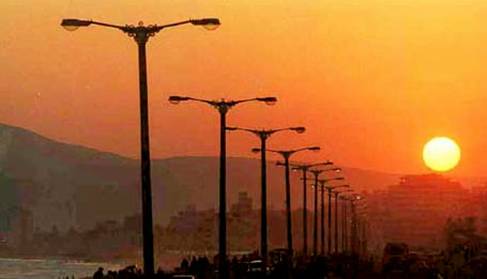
[{"x": 49, "y": 268}]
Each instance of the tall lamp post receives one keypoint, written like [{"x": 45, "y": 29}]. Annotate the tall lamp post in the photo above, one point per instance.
[
  {"x": 141, "y": 34},
  {"x": 344, "y": 223},
  {"x": 361, "y": 222},
  {"x": 320, "y": 185},
  {"x": 222, "y": 106},
  {"x": 355, "y": 198},
  {"x": 286, "y": 154},
  {"x": 345, "y": 232},
  {"x": 263, "y": 135},
  {"x": 337, "y": 193},
  {"x": 329, "y": 190},
  {"x": 316, "y": 173},
  {"x": 305, "y": 168}
]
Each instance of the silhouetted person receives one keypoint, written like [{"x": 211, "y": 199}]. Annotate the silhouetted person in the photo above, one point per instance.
[
  {"x": 184, "y": 264},
  {"x": 192, "y": 266},
  {"x": 98, "y": 274}
]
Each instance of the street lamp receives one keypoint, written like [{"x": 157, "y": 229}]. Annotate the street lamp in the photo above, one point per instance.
[
  {"x": 141, "y": 34},
  {"x": 305, "y": 168},
  {"x": 353, "y": 200},
  {"x": 72, "y": 24},
  {"x": 263, "y": 135},
  {"x": 345, "y": 238},
  {"x": 222, "y": 106},
  {"x": 336, "y": 216},
  {"x": 329, "y": 190},
  {"x": 286, "y": 154},
  {"x": 316, "y": 173}
]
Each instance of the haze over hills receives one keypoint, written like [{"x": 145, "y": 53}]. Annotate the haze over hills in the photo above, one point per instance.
[{"x": 73, "y": 186}]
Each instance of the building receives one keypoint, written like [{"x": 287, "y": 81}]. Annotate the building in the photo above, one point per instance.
[
  {"x": 477, "y": 206},
  {"x": 243, "y": 207},
  {"x": 416, "y": 209}
]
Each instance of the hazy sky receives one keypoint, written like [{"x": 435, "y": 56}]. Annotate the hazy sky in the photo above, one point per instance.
[{"x": 371, "y": 80}]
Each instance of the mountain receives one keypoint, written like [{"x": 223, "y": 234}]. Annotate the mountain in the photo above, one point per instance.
[
  {"x": 61, "y": 184},
  {"x": 67, "y": 185}
]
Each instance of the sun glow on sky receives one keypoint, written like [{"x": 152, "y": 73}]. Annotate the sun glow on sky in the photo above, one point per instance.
[{"x": 362, "y": 76}]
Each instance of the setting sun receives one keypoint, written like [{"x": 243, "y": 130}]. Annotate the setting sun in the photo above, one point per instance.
[{"x": 441, "y": 154}]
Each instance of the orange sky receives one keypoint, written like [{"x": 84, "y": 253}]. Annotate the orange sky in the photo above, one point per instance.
[{"x": 371, "y": 80}]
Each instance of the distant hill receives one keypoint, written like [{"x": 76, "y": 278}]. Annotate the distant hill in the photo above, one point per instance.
[
  {"x": 61, "y": 184},
  {"x": 69, "y": 185}
]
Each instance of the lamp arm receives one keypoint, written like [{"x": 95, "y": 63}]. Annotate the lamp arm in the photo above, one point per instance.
[{"x": 120, "y": 27}]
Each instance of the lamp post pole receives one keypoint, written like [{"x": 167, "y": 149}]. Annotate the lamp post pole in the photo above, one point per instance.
[
  {"x": 286, "y": 154},
  {"x": 141, "y": 35},
  {"x": 222, "y": 213},
  {"x": 323, "y": 220},
  {"x": 223, "y": 106},
  {"x": 336, "y": 221},
  {"x": 316, "y": 174},
  {"x": 263, "y": 206},
  {"x": 288, "y": 205},
  {"x": 148, "y": 251},
  {"x": 344, "y": 226},
  {"x": 305, "y": 168},
  {"x": 355, "y": 223},
  {"x": 337, "y": 193},
  {"x": 354, "y": 229},
  {"x": 343, "y": 219},
  {"x": 318, "y": 186},
  {"x": 323, "y": 188},
  {"x": 305, "y": 213},
  {"x": 263, "y": 135},
  {"x": 329, "y": 189}
]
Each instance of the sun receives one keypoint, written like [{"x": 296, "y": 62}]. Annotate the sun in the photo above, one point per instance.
[{"x": 441, "y": 154}]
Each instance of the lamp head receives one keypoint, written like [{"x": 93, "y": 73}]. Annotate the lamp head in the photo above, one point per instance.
[
  {"x": 177, "y": 99},
  {"x": 314, "y": 148},
  {"x": 231, "y": 128},
  {"x": 270, "y": 101},
  {"x": 298, "y": 130},
  {"x": 71, "y": 24},
  {"x": 207, "y": 23}
]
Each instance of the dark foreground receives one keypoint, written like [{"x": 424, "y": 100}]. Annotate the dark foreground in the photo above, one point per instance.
[{"x": 338, "y": 266}]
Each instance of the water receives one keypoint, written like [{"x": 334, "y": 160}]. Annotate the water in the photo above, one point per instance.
[{"x": 48, "y": 268}]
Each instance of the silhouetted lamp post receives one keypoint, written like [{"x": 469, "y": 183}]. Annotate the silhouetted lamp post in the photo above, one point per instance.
[
  {"x": 355, "y": 198},
  {"x": 141, "y": 34},
  {"x": 286, "y": 154},
  {"x": 305, "y": 168},
  {"x": 345, "y": 238},
  {"x": 223, "y": 106},
  {"x": 263, "y": 135},
  {"x": 316, "y": 174},
  {"x": 337, "y": 193},
  {"x": 344, "y": 224},
  {"x": 323, "y": 188}
]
